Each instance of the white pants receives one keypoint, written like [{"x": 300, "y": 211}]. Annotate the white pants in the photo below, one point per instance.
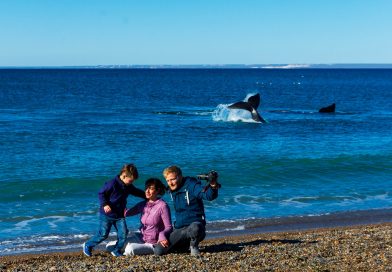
[
  {"x": 138, "y": 249},
  {"x": 134, "y": 245}
]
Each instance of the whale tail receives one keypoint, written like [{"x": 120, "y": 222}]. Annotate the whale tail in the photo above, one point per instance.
[
  {"x": 251, "y": 105},
  {"x": 328, "y": 109}
]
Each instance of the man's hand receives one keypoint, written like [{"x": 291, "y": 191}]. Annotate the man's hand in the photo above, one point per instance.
[{"x": 214, "y": 184}]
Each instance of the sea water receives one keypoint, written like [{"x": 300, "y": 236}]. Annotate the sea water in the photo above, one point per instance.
[{"x": 64, "y": 132}]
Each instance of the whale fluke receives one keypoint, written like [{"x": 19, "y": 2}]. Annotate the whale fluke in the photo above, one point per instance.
[
  {"x": 251, "y": 105},
  {"x": 328, "y": 109}
]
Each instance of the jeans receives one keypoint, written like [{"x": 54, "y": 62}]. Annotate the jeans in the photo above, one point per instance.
[
  {"x": 105, "y": 224},
  {"x": 181, "y": 239}
]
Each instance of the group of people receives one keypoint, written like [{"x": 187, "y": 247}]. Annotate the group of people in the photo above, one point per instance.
[{"x": 157, "y": 234}]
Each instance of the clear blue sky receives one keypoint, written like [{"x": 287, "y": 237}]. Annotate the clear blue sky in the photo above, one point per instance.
[{"x": 121, "y": 32}]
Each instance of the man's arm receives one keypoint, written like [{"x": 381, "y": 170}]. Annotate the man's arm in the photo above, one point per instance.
[{"x": 204, "y": 192}]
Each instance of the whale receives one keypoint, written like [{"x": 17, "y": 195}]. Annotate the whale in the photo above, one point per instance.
[
  {"x": 328, "y": 109},
  {"x": 250, "y": 105}
]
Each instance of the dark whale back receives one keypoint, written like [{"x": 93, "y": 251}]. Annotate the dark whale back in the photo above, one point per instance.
[{"x": 328, "y": 109}]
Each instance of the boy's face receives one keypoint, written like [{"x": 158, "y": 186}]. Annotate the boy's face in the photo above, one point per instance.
[
  {"x": 127, "y": 180},
  {"x": 173, "y": 181}
]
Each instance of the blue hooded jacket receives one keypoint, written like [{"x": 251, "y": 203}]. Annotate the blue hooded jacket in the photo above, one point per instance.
[
  {"x": 115, "y": 193},
  {"x": 188, "y": 201}
]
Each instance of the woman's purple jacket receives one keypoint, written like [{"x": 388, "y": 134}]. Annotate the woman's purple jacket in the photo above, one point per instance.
[{"x": 155, "y": 219}]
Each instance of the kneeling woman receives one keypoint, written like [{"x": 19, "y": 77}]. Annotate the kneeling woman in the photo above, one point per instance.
[{"x": 155, "y": 218}]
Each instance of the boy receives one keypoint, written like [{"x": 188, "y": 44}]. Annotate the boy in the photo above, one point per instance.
[{"x": 113, "y": 200}]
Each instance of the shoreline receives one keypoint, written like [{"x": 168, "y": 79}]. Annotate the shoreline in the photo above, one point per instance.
[
  {"x": 57, "y": 243},
  {"x": 298, "y": 223},
  {"x": 346, "y": 248}
]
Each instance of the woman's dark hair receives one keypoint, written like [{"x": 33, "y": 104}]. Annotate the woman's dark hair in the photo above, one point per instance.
[{"x": 157, "y": 183}]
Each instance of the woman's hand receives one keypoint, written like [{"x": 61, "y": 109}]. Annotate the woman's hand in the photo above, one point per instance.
[{"x": 164, "y": 243}]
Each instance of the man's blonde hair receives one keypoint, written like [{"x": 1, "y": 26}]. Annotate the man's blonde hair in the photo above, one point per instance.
[{"x": 172, "y": 169}]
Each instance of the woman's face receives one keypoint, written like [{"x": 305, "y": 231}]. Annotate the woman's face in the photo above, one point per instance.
[{"x": 151, "y": 193}]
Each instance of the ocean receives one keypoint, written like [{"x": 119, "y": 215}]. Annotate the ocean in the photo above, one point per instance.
[{"x": 64, "y": 132}]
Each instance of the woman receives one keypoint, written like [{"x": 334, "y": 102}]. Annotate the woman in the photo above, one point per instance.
[{"x": 155, "y": 219}]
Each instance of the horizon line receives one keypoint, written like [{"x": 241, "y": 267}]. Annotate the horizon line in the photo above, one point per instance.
[{"x": 205, "y": 66}]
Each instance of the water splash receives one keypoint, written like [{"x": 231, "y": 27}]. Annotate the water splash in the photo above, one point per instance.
[{"x": 224, "y": 114}]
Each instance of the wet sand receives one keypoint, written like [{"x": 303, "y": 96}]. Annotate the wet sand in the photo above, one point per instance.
[{"x": 348, "y": 248}]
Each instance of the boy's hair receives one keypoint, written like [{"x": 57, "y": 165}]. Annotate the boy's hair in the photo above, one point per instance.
[
  {"x": 130, "y": 171},
  {"x": 157, "y": 183},
  {"x": 172, "y": 169}
]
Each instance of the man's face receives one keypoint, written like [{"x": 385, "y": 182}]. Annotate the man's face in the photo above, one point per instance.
[{"x": 173, "y": 181}]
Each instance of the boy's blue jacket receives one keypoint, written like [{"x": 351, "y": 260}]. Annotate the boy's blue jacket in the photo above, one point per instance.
[
  {"x": 188, "y": 201},
  {"x": 115, "y": 193}
]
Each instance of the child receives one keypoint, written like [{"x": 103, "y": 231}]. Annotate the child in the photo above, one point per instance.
[{"x": 113, "y": 200}]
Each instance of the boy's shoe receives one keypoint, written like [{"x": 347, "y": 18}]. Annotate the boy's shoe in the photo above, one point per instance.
[
  {"x": 195, "y": 251},
  {"x": 111, "y": 246},
  {"x": 116, "y": 253},
  {"x": 87, "y": 250}
]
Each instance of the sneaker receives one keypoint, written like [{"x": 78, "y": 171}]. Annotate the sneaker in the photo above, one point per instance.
[
  {"x": 115, "y": 253},
  {"x": 87, "y": 250},
  {"x": 111, "y": 246},
  {"x": 195, "y": 251}
]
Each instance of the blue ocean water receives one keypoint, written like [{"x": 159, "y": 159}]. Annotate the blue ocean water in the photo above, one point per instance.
[{"x": 64, "y": 132}]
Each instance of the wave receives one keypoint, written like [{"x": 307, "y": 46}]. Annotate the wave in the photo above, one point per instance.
[
  {"x": 56, "y": 242},
  {"x": 42, "y": 243},
  {"x": 219, "y": 228},
  {"x": 222, "y": 113},
  {"x": 259, "y": 169},
  {"x": 308, "y": 112},
  {"x": 185, "y": 113},
  {"x": 287, "y": 66},
  {"x": 263, "y": 199},
  {"x": 263, "y": 169}
]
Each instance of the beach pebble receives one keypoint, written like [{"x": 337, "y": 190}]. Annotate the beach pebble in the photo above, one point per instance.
[{"x": 360, "y": 248}]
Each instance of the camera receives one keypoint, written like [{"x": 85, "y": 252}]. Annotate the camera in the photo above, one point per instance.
[{"x": 210, "y": 176}]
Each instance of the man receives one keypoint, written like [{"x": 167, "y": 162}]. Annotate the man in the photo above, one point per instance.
[{"x": 187, "y": 194}]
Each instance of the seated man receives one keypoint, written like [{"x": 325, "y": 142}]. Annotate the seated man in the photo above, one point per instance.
[{"x": 187, "y": 194}]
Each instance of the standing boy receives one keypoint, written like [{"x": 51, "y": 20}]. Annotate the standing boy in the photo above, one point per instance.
[{"x": 113, "y": 200}]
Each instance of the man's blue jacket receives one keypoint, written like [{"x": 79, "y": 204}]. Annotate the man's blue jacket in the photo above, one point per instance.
[{"x": 188, "y": 201}]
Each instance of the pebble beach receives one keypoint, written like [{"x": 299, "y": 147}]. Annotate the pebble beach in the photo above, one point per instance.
[{"x": 352, "y": 248}]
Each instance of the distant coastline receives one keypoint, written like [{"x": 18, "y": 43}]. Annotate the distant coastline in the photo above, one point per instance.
[{"x": 212, "y": 66}]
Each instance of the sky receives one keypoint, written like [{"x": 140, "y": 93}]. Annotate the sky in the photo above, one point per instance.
[{"x": 189, "y": 32}]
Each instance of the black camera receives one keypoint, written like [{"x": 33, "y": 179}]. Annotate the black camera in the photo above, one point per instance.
[{"x": 210, "y": 176}]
